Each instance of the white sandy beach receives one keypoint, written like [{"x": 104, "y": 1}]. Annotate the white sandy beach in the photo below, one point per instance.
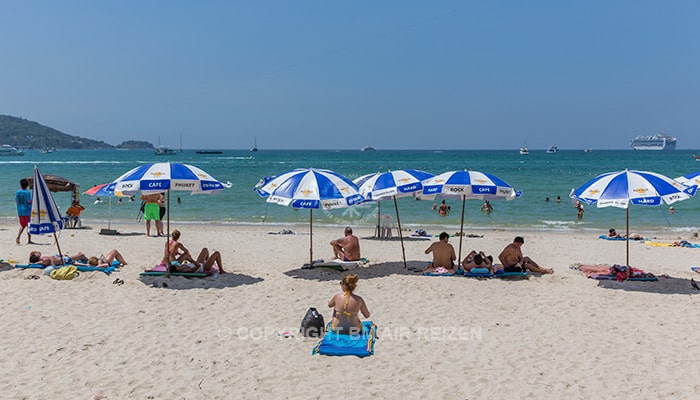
[{"x": 550, "y": 337}]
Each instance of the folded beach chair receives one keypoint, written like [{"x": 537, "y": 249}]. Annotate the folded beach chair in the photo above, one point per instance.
[{"x": 336, "y": 344}]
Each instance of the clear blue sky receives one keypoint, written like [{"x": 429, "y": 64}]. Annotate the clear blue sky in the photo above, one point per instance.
[{"x": 345, "y": 74}]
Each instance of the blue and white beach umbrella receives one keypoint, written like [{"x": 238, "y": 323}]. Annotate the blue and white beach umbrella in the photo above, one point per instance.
[
  {"x": 165, "y": 177},
  {"x": 690, "y": 179},
  {"x": 311, "y": 188},
  {"x": 392, "y": 184},
  {"x": 622, "y": 188},
  {"x": 465, "y": 184},
  {"x": 46, "y": 217},
  {"x": 162, "y": 177}
]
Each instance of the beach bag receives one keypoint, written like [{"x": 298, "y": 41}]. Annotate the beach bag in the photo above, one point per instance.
[
  {"x": 64, "y": 273},
  {"x": 312, "y": 325}
]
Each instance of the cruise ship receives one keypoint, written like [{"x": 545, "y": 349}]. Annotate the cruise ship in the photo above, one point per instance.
[{"x": 658, "y": 141}]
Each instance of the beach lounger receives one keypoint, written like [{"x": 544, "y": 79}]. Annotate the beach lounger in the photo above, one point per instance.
[{"x": 335, "y": 344}]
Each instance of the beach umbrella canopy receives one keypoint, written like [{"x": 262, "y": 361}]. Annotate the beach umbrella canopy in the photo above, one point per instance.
[
  {"x": 622, "y": 188},
  {"x": 104, "y": 190},
  {"x": 164, "y": 177},
  {"x": 46, "y": 217},
  {"x": 55, "y": 183},
  {"x": 313, "y": 189},
  {"x": 390, "y": 185},
  {"x": 690, "y": 179},
  {"x": 465, "y": 184}
]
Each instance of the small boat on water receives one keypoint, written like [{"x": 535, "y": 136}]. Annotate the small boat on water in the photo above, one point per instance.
[
  {"x": 587, "y": 150},
  {"x": 368, "y": 148},
  {"x": 524, "y": 151},
  {"x": 553, "y": 149},
  {"x": 696, "y": 157},
  {"x": 255, "y": 145},
  {"x": 208, "y": 152},
  {"x": 7, "y": 150},
  {"x": 163, "y": 150}
]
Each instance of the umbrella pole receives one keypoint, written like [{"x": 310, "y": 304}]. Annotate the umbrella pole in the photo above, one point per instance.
[
  {"x": 311, "y": 237},
  {"x": 167, "y": 236},
  {"x": 398, "y": 220},
  {"x": 59, "y": 248},
  {"x": 627, "y": 228},
  {"x": 461, "y": 231},
  {"x": 378, "y": 233},
  {"x": 109, "y": 214}
]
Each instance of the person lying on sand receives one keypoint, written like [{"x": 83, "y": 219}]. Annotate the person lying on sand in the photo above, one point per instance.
[
  {"x": 35, "y": 257},
  {"x": 203, "y": 264},
  {"x": 443, "y": 255},
  {"x": 103, "y": 261},
  {"x": 513, "y": 261}
]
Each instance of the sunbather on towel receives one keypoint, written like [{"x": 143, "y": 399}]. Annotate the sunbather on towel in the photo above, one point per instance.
[
  {"x": 35, "y": 257},
  {"x": 346, "y": 248},
  {"x": 176, "y": 251},
  {"x": 103, "y": 261},
  {"x": 203, "y": 264},
  {"x": 443, "y": 255},
  {"x": 347, "y": 306},
  {"x": 477, "y": 260},
  {"x": 513, "y": 261}
]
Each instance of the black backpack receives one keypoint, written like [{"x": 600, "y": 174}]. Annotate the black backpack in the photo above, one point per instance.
[{"x": 312, "y": 325}]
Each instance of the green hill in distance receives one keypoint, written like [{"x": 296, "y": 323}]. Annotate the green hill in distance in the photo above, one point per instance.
[{"x": 26, "y": 134}]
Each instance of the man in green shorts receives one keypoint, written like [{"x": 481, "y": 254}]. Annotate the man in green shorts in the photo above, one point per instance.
[{"x": 151, "y": 211}]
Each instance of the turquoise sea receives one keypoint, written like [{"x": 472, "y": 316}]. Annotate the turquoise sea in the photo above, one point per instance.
[{"x": 538, "y": 176}]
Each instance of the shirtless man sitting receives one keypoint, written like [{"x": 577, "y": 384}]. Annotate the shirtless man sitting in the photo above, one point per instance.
[
  {"x": 346, "y": 248},
  {"x": 35, "y": 257},
  {"x": 513, "y": 261},
  {"x": 443, "y": 256},
  {"x": 477, "y": 260}
]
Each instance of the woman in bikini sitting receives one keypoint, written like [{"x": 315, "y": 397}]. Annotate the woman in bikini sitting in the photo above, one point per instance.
[
  {"x": 176, "y": 251},
  {"x": 347, "y": 306}
]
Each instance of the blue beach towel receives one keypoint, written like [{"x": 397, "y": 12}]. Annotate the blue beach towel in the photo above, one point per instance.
[
  {"x": 512, "y": 275},
  {"x": 611, "y": 238},
  {"x": 107, "y": 270},
  {"x": 335, "y": 344},
  {"x": 38, "y": 266}
]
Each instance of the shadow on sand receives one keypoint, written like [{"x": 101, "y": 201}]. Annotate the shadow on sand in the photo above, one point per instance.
[
  {"x": 227, "y": 280},
  {"x": 665, "y": 285},
  {"x": 378, "y": 270}
]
